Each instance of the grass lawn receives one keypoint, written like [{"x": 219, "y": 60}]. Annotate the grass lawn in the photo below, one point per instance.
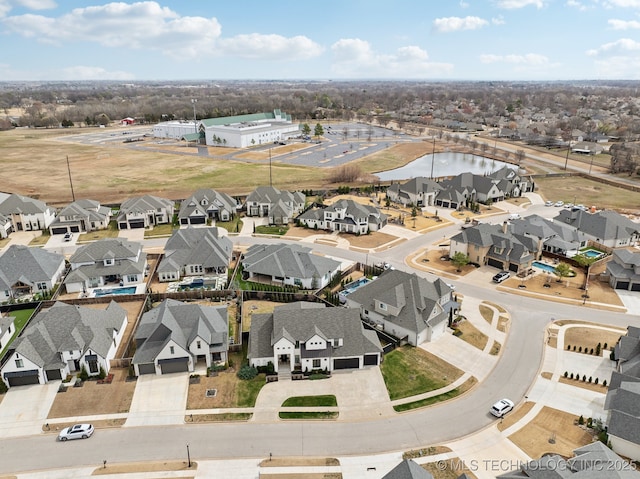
[
  {"x": 468, "y": 384},
  {"x": 328, "y": 400},
  {"x": 159, "y": 230},
  {"x": 272, "y": 230},
  {"x": 222, "y": 417},
  {"x": 98, "y": 235},
  {"x": 408, "y": 371},
  {"x": 589, "y": 338},
  {"x": 308, "y": 415},
  {"x": 588, "y": 192},
  {"x": 248, "y": 391},
  {"x": 22, "y": 316},
  {"x": 486, "y": 312},
  {"x": 472, "y": 335},
  {"x": 40, "y": 240},
  {"x": 233, "y": 226}
]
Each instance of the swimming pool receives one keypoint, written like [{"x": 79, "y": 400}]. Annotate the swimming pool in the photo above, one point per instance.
[
  {"x": 351, "y": 287},
  {"x": 549, "y": 268},
  {"x": 591, "y": 253},
  {"x": 108, "y": 292}
]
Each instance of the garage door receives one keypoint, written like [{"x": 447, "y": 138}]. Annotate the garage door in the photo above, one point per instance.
[
  {"x": 53, "y": 374},
  {"x": 22, "y": 378},
  {"x": 136, "y": 224},
  {"x": 147, "y": 368},
  {"x": 513, "y": 267},
  {"x": 370, "y": 359},
  {"x": 58, "y": 231},
  {"x": 75, "y": 229},
  {"x": 176, "y": 365},
  {"x": 622, "y": 285},
  {"x": 635, "y": 287},
  {"x": 494, "y": 262},
  {"x": 351, "y": 363},
  {"x": 198, "y": 221}
]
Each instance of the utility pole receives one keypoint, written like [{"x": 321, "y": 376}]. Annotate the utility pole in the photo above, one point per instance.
[
  {"x": 270, "y": 183},
  {"x": 567, "y": 158},
  {"x": 195, "y": 121},
  {"x": 73, "y": 196},
  {"x": 433, "y": 156}
]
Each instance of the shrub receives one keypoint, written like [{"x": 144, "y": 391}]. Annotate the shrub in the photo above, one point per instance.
[
  {"x": 580, "y": 349},
  {"x": 3, "y": 387},
  {"x": 566, "y": 374},
  {"x": 604, "y": 383},
  {"x": 590, "y": 422},
  {"x": 568, "y": 347},
  {"x": 581, "y": 420},
  {"x": 596, "y": 381},
  {"x": 591, "y": 351},
  {"x": 102, "y": 374},
  {"x": 571, "y": 376},
  {"x": 247, "y": 372},
  {"x": 584, "y": 378},
  {"x": 590, "y": 379},
  {"x": 574, "y": 347},
  {"x": 598, "y": 349},
  {"x": 605, "y": 346},
  {"x": 84, "y": 375}
]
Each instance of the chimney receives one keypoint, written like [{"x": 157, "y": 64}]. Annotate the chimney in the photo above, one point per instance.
[{"x": 505, "y": 227}]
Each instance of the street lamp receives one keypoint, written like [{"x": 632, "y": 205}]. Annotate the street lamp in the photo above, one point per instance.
[{"x": 195, "y": 121}]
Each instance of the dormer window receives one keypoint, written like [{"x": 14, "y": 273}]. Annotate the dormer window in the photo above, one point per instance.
[{"x": 108, "y": 262}]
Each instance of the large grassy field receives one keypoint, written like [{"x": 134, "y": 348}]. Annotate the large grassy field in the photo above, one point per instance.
[{"x": 588, "y": 192}]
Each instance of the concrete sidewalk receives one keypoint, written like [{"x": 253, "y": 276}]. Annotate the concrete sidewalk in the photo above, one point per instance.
[{"x": 159, "y": 400}]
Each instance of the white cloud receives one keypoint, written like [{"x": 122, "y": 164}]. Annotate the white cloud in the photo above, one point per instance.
[
  {"x": 270, "y": 47},
  {"x": 514, "y": 4},
  {"x": 464, "y": 4},
  {"x": 621, "y": 46},
  {"x": 454, "y": 24},
  {"x": 7, "y": 5},
  {"x": 532, "y": 59},
  {"x": 93, "y": 73},
  {"x": 147, "y": 25},
  {"x": 355, "y": 58},
  {"x": 623, "y": 24},
  {"x": 618, "y": 67},
  {"x": 624, "y": 3},
  {"x": 499, "y": 20},
  {"x": 579, "y": 5}
]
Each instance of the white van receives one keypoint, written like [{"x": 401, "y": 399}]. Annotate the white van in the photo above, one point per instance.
[{"x": 514, "y": 216}]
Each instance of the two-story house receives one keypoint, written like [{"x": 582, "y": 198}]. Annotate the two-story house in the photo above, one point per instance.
[
  {"x": 624, "y": 270},
  {"x": 80, "y": 217},
  {"x": 207, "y": 204},
  {"x": 27, "y": 214},
  {"x": 405, "y": 305},
  {"x": 113, "y": 262},
  {"x": 309, "y": 336},
  {"x": 174, "y": 336},
  {"x": 606, "y": 227},
  {"x": 145, "y": 212},
  {"x": 345, "y": 216},
  {"x": 419, "y": 191},
  {"x": 279, "y": 206},
  {"x": 63, "y": 339}
]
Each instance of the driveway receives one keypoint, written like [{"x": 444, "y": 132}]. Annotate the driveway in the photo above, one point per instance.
[
  {"x": 630, "y": 299},
  {"x": 24, "y": 409},
  {"x": 159, "y": 400},
  {"x": 136, "y": 234}
]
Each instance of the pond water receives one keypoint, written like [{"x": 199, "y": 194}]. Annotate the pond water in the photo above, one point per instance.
[{"x": 444, "y": 164}]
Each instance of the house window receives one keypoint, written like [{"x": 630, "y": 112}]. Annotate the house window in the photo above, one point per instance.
[
  {"x": 93, "y": 366},
  {"x": 171, "y": 349},
  {"x": 198, "y": 345},
  {"x": 42, "y": 286},
  {"x": 132, "y": 278},
  {"x": 316, "y": 363},
  {"x": 19, "y": 363},
  {"x": 108, "y": 262},
  {"x": 383, "y": 306}
]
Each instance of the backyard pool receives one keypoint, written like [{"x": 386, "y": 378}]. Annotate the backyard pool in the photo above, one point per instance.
[
  {"x": 549, "y": 268},
  {"x": 351, "y": 287},
  {"x": 591, "y": 253},
  {"x": 108, "y": 292}
]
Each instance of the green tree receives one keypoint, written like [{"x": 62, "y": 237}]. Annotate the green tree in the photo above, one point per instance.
[
  {"x": 306, "y": 129},
  {"x": 459, "y": 260},
  {"x": 318, "y": 131},
  {"x": 562, "y": 271}
]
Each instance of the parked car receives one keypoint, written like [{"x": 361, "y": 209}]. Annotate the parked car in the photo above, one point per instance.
[
  {"x": 559, "y": 203},
  {"x": 78, "y": 431},
  {"x": 502, "y": 407},
  {"x": 548, "y": 203},
  {"x": 514, "y": 216},
  {"x": 501, "y": 276},
  {"x": 68, "y": 236}
]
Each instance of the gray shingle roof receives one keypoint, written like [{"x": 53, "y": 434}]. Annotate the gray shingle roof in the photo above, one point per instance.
[
  {"x": 18, "y": 204},
  {"x": 196, "y": 246},
  {"x": 204, "y": 199},
  {"x": 603, "y": 225},
  {"x": 408, "y": 469},
  {"x": 182, "y": 323},
  {"x": 145, "y": 203},
  {"x": 282, "y": 260},
  {"x": 417, "y": 297},
  {"x": 116, "y": 248},
  {"x": 65, "y": 327},
  {"x": 29, "y": 265}
]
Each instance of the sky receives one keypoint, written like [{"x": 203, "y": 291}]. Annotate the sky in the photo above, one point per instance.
[{"x": 473, "y": 40}]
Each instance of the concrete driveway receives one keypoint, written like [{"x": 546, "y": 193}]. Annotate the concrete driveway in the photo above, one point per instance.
[
  {"x": 159, "y": 400},
  {"x": 136, "y": 234},
  {"x": 24, "y": 409}
]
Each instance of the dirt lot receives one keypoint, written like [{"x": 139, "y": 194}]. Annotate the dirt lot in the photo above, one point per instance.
[
  {"x": 132, "y": 467},
  {"x": 589, "y": 338},
  {"x": 93, "y": 398},
  {"x": 472, "y": 335},
  {"x": 251, "y": 307},
  {"x": 551, "y": 424},
  {"x": 225, "y": 384}
]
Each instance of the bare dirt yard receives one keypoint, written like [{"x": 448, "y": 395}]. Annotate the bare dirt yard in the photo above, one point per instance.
[
  {"x": 132, "y": 467},
  {"x": 589, "y": 338},
  {"x": 551, "y": 431},
  {"x": 93, "y": 398},
  {"x": 252, "y": 307}
]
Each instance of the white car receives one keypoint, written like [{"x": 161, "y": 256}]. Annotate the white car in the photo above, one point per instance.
[
  {"x": 502, "y": 407},
  {"x": 548, "y": 203},
  {"x": 79, "y": 431},
  {"x": 559, "y": 203},
  {"x": 501, "y": 276},
  {"x": 68, "y": 236}
]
